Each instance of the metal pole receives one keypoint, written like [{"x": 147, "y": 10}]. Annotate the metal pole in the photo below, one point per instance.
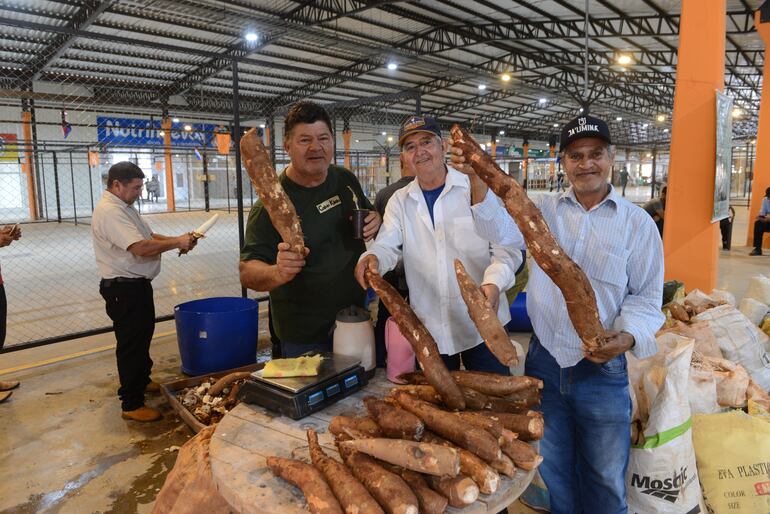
[
  {"x": 205, "y": 180},
  {"x": 90, "y": 178},
  {"x": 227, "y": 178},
  {"x": 44, "y": 190},
  {"x": 74, "y": 202},
  {"x": 56, "y": 185},
  {"x": 189, "y": 182},
  {"x": 387, "y": 166},
  {"x": 654, "y": 162},
  {"x": 34, "y": 148},
  {"x": 585, "y": 64},
  {"x": 238, "y": 168},
  {"x": 334, "y": 135},
  {"x": 418, "y": 104},
  {"x": 271, "y": 126}
]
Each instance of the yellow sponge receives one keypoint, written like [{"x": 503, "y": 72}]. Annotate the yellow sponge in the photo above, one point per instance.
[{"x": 296, "y": 367}]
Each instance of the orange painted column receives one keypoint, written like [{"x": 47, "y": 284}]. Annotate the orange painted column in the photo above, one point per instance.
[
  {"x": 690, "y": 238},
  {"x": 346, "y": 141},
  {"x": 28, "y": 168},
  {"x": 165, "y": 124},
  {"x": 493, "y": 149},
  {"x": 762, "y": 163}
]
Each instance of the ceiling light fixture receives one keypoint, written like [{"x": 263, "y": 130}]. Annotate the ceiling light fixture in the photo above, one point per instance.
[
  {"x": 661, "y": 118},
  {"x": 542, "y": 100},
  {"x": 505, "y": 77},
  {"x": 502, "y": 132},
  {"x": 384, "y": 133},
  {"x": 624, "y": 59},
  {"x": 555, "y": 124},
  {"x": 482, "y": 87},
  {"x": 737, "y": 112},
  {"x": 645, "y": 125},
  {"x": 392, "y": 66},
  {"x": 175, "y": 120},
  {"x": 251, "y": 37},
  {"x": 188, "y": 128},
  {"x": 665, "y": 130},
  {"x": 618, "y": 119}
]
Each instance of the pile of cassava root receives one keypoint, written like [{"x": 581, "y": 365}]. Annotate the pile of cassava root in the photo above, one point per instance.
[
  {"x": 213, "y": 398},
  {"x": 410, "y": 454}
]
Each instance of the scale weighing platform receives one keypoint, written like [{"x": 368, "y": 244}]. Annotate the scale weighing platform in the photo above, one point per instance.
[{"x": 296, "y": 397}]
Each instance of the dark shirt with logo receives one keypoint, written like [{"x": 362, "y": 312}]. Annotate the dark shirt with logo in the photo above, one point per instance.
[{"x": 304, "y": 309}]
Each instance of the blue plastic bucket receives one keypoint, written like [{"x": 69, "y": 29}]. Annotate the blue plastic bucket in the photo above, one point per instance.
[
  {"x": 215, "y": 334},
  {"x": 519, "y": 318}
]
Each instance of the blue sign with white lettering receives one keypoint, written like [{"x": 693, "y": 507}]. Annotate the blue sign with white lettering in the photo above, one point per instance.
[{"x": 135, "y": 132}]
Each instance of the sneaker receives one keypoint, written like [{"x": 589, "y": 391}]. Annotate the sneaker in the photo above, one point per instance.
[
  {"x": 4, "y": 395},
  {"x": 756, "y": 251},
  {"x": 143, "y": 414},
  {"x": 152, "y": 387},
  {"x": 7, "y": 385}
]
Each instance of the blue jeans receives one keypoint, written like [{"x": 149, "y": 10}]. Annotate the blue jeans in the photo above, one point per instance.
[
  {"x": 587, "y": 412},
  {"x": 478, "y": 358}
]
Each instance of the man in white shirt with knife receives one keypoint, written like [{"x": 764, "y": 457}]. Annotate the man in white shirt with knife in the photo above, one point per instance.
[{"x": 128, "y": 257}]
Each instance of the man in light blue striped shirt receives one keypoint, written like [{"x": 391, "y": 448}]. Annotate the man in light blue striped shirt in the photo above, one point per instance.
[{"x": 586, "y": 402}]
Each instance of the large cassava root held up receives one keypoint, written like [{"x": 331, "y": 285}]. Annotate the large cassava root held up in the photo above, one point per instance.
[
  {"x": 485, "y": 318},
  {"x": 282, "y": 213},
  {"x": 568, "y": 277},
  {"x": 423, "y": 344}
]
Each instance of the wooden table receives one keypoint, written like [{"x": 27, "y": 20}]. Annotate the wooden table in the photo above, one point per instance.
[{"x": 248, "y": 434}]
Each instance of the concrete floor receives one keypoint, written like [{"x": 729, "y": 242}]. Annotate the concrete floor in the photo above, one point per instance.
[{"x": 65, "y": 449}]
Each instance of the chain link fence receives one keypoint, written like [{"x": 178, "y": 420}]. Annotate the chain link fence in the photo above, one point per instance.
[{"x": 175, "y": 103}]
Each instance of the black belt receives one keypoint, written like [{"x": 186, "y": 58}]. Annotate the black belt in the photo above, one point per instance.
[{"x": 108, "y": 282}]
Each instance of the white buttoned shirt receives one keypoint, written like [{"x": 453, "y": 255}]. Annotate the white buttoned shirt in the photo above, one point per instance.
[
  {"x": 115, "y": 226},
  {"x": 615, "y": 243},
  {"x": 429, "y": 251}
]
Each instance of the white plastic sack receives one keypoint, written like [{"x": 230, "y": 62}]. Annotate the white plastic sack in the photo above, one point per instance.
[
  {"x": 753, "y": 309},
  {"x": 662, "y": 476},
  {"x": 723, "y": 296},
  {"x": 698, "y": 298},
  {"x": 759, "y": 289},
  {"x": 741, "y": 341}
]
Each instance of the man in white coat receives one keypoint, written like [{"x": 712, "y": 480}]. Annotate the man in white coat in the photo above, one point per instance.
[{"x": 429, "y": 224}]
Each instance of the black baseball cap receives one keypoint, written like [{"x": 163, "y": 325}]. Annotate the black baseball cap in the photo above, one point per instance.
[
  {"x": 418, "y": 124},
  {"x": 583, "y": 126}
]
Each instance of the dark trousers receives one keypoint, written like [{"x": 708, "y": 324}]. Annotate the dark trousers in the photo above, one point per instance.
[
  {"x": 3, "y": 314},
  {"x": 132, "y": 311},
  {"x": 760, "y": 227},
  {"x": 478, "y": 358}
]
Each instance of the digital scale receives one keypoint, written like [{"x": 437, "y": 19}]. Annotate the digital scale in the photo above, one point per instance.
[{"x": 297, "y": 397}]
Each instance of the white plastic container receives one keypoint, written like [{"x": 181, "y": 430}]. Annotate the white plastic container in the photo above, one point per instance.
[{"x": 354, "y": 336}]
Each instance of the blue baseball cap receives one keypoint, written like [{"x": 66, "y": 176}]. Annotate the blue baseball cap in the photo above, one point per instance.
[{"x": 418, "y": 124}]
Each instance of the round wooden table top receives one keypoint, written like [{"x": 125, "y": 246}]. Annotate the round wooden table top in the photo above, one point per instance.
[{"x": 248, "y": 434}]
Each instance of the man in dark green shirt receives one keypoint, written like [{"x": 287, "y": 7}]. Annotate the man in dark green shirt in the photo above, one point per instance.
[{"x": 307, "y": 291}]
